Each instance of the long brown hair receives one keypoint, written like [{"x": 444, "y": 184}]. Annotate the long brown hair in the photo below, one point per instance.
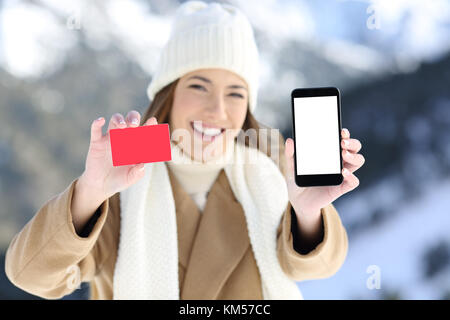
[{"x": 161, "y": 106}]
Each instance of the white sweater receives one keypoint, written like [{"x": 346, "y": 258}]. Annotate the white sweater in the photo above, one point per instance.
[
  {"x": 148, "y": 228},
  {"x": 196, "y": 178}
]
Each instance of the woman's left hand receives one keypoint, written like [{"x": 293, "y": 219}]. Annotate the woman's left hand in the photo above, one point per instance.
[{"x": 308, "y": 201}]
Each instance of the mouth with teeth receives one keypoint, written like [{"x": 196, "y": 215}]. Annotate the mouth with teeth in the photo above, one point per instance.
[{"x": 205, "y": 131}]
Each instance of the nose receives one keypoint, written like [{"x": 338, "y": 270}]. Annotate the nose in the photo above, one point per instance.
[{"x": 217, "y": 107}]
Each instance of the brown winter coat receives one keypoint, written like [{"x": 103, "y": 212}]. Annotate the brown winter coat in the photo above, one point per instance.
[{"x": 215, "y": 255}]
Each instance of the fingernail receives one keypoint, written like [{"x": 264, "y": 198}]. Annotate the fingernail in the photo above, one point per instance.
[
  {"x": 141, "y": 169},
  {"x": 346, "y": 132},
  {"x": 135, "y": 121},
  {"x": 347, "y": 153},
  {"x": 121, "y": 121},
  {"x": 98, "y": 119},
  {"x": 345, "y": 172},
  {"x": 346, "y": 143}
]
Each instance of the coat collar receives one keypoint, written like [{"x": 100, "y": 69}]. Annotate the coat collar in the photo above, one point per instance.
[
  {"x": 220, "y": 241},
  {"x": 188, "y": 218}
]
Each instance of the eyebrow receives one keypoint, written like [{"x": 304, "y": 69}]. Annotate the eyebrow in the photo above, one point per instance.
[{"x": 234, "y": 86}]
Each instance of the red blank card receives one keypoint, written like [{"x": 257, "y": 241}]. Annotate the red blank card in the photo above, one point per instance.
[{"x": 140, "y": 145}]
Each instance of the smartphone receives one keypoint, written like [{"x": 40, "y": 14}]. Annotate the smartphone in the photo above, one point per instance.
[
  {"x": 316, "y": 128},
  {"x": 140, "y": 144}
]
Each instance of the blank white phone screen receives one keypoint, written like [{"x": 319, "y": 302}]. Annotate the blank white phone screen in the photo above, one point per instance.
[{"x": 317, "y": 135}]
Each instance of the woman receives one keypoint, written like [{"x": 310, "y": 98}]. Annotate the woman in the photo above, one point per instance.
[{"x": 205, "y": 225}]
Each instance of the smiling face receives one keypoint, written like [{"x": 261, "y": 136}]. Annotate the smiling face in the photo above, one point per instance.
[{"x": 209, "y": 106}]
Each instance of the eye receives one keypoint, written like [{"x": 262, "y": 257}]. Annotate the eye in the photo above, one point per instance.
[
  {"x": 197, "y": 86},
  {"x": 237, "y": 95}
]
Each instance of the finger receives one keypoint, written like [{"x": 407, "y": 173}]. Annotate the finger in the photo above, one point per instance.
[
  {"x": 355, "y": 159},
  {"x": 117, "y": 121},
  {"x": 289, "y": 155},
  {"x": 351, "y": 167},
  {"x": 151, "y": 121},
  {"x": 135, "y": 173},
  {"x": 96, "y": 129},
  {"x": 133, "y": 118},
  {"x": 350, "y": 181},
  {"x": 353, "y": 145},
  {"x": 345, "y": 133}
]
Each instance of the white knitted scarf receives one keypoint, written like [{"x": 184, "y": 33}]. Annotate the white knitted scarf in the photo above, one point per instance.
[{"x": 147, "y": 260}]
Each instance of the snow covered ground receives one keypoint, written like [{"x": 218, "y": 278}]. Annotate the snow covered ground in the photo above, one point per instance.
[{"x": 397, "y": 247}]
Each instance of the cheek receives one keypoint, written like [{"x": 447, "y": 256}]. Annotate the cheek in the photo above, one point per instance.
[
  {"x": 183, "y": 109},
  {"x": 237, "y": 115}
]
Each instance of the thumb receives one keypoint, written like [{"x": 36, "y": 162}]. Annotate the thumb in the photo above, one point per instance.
[{"x": 136, "y": 173}]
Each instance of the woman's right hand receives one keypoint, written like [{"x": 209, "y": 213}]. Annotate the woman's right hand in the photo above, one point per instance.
[
  {"x": 100, "y": 179},
  {"x": 100, "y": 174}
]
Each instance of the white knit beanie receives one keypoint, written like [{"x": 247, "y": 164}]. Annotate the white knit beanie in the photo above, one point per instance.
[{"x": 208, "y": 36}]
